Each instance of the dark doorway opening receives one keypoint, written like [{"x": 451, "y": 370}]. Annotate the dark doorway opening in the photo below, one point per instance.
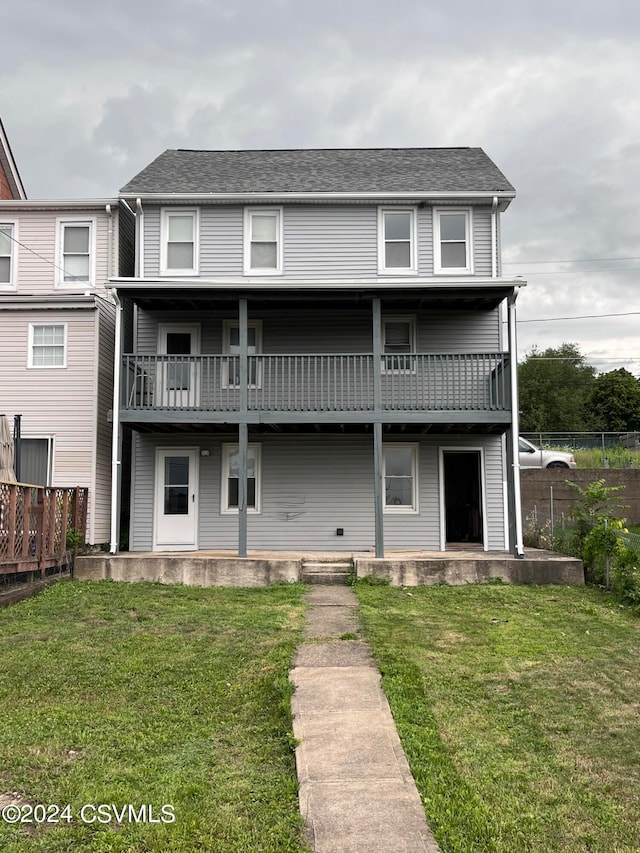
[{"x": 463, "y": 498}]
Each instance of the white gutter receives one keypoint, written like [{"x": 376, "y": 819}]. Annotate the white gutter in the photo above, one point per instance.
[
  {"x": 467, "y": 283},
  {"x": 62, "y": 204},
  {"x": 515, "y": 425},
  {"x": 139, "y": 264},
  {"x": 115, "y": 435}
]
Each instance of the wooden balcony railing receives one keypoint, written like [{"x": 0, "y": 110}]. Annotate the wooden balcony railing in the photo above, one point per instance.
[
  {"x": 411, "y": 382},
  {"x": 34, "y": 524}
]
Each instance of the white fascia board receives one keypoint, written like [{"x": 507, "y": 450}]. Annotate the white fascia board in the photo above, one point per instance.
[
  {"x": 47, "y": 303},
  {"x": 59, "y": 204},
  {"x": 271, "y": 198},
  {"x": 409, "y": 283}
]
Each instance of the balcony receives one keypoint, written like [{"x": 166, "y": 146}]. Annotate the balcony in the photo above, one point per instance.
[{"x": 189, "y": 386}]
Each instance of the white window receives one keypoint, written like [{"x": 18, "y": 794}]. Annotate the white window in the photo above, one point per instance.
[
  {"x": 398, "y": 340},
  {"x": 397, "y": 240},
  {"x": 231, "y": 346},
  {"x": 263, "y": 241},
  {"x": 76, "y": 252},
  {"x": 230, "y": 481},
  {"x": 47, "y": 345},
  {"x": 400, "y": 478},
  {"x": 453, "y": 241},
  {"x": 179, "y": 242},
  {"x": 7, "y": 255}
]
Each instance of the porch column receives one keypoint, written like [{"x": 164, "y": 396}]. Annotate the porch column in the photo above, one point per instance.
[
  {"x": 512, "y": 439},
  {"x": 243, "y": 430},
  {"x": 378, "y": 470},
  {"x": 116, "y": 435}
]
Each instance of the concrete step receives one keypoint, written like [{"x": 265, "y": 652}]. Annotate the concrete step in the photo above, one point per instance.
[{"x": 326, "y": 571}]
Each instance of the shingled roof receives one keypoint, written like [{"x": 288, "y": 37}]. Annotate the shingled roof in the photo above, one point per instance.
[{"x": 345, "y": 170}]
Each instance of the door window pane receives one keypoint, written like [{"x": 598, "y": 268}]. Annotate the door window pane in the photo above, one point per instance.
[{"x": 176, "y": 485}]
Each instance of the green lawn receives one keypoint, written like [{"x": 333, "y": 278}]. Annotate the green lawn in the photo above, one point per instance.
[
  {"x": 519, "y": 712},
  {"x": 150, "y": 695}
]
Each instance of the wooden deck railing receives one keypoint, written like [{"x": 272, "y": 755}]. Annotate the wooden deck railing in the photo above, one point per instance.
[
  {"x": 337, "y": 382},
  {"x": 34, "y": 524}
]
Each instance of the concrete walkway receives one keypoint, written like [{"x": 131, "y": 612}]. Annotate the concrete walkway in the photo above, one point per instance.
[{"x": 357, "y": 793}]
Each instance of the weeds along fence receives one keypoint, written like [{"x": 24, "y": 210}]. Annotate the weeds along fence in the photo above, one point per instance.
[{"x": 36, "y": 524}]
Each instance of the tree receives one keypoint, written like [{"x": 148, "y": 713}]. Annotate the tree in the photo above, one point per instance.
[
  {"x": 615, "y": 401},
  {"x": 555, "y": 387}
]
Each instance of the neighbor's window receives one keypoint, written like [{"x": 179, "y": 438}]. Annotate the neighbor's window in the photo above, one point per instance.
[
  {"x": 47, "y": 345},
  {"x": 6, "y": 254},
  {"x": 179, "y": 242},
  {"x": 397, "y": 250},
  {"x": 263, "y": 241},
  {"x": 230, "y": 478},
  {"x": 453, "y": 241},
  {"x": 400, "y": 477},
  {"x": 76, "y": 253}
]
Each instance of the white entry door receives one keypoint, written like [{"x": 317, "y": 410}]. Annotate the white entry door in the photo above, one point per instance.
[
  {"x": 178, "y": 379},
  {"x": 176, "y": 499}
]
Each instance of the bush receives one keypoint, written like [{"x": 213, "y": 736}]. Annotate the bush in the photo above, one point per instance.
[{"x": 625, "y": 576}]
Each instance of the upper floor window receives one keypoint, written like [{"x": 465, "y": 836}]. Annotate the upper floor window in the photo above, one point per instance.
[
  {"x": 397, "y": 240},
  {"x": 263, "y": 241},
  {"x": 47, "y": 345},
  {"x": 179, "y": 237},
  {"x": 7, "y": 261},
  {"x": 452, "y": 241},
  {"x": 398, "y": 341},
  {"x": 76, "y": 252}
]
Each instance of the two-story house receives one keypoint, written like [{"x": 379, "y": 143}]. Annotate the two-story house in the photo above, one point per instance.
[
  {"x": 57, "y": 323},
  {"x": 317, "y": 353}
]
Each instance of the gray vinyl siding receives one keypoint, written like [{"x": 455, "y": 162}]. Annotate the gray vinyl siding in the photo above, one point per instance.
[
  {"x": 104, "y": 385},
  {"x": 37, "y": 267},
  {"x": 312, "y": 485},
  {"x": 56, "y": 402},
  {"x": 296, "y": 331},
  {"x": 320, "y": 241}
]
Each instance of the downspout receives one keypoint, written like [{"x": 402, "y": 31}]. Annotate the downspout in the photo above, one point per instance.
[
  {"x": 109, "y": 242},
  {"x": 494, "y": 237},
  {"x": 139, "y": 240},
  {"x": 115, "y": 436},
  {"x": 515, "y": 425}
]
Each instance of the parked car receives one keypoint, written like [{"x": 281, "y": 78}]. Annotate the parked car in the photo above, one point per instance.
[{"x": 532, "y": 457}]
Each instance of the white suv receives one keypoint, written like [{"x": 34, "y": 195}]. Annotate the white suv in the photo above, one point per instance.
[{"x": 532, "y": 457}]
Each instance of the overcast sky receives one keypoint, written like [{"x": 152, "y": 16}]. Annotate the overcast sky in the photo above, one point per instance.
[{"x": 92, "y": 92}]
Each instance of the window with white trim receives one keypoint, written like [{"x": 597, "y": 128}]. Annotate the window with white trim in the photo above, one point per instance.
[
  {"x": 76, "y": 252},
  {"x": 397, "y": 240},
  {"x": 179, "y": 239},
  {"x": 36, "y": 460},
  {"x": 231, "y": 346},
  {"x": 263, "y": 241},
  {"x": 230, "y": 478},
  {"x": 7, "y": 261},
  {"x": 452, "y": 244},
  {"x": 47, "y": 345},
  {"x": 400, "y": 463},
  {"x": 398, "y": 340}
]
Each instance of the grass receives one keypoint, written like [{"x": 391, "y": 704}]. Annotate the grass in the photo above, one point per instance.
[
  {"x": 147, "y": 694},
  {"x": 518, "y": 709},
  {"x": 617, "y": 457}
]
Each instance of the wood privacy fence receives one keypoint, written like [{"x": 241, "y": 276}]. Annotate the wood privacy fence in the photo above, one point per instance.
[{"x": 34, "y": 524}]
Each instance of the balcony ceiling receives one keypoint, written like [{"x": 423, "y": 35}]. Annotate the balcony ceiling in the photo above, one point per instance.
[{"x": 482, "y": 298}]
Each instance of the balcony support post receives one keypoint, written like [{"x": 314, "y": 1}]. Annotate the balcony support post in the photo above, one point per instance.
[
  {"x": 243, "y": 430},
  {"x": 378, "y": 469},
  {"x": 116, "y": 434},
  {"x": 515, "y": 504}
]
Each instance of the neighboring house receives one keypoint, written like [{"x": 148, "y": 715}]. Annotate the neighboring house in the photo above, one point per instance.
[
  {"x": 57, "y": 339},
  {"x": 10, "y": 181},
  {"x": 312, "y": 354}
]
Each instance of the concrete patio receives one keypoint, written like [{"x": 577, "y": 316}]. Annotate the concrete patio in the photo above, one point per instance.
[{"x": 261, "y": 568}]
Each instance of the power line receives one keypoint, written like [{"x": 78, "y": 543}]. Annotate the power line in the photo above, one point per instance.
[
  {"x": 67, "y": 276},
  {"x": 570, "y": 261},
  {"x": 581, "y": 317}
]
